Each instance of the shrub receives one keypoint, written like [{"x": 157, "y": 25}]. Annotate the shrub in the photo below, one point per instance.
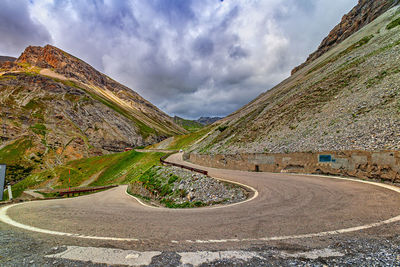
[
  {"x": 222, "y": 128},
  {"x": 393, "y": 24}
]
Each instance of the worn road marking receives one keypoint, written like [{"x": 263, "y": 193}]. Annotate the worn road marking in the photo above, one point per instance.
[
  {"x": 106, "y": 255},
  {"x": 313, "y": 254},
  {"x": 138, "y": 258},
  {"x": 4, "y": 218}
]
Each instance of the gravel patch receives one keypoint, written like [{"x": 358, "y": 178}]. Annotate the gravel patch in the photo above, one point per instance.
[
  {"x": 18, "y": 249},
  {"x": 176, "y": 187}
]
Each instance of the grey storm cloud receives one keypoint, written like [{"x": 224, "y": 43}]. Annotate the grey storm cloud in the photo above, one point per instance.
[
  {"x": 190, "y": 58},
  {"x": 17, "y": 28},
  {"x": 203, "y": 46}
]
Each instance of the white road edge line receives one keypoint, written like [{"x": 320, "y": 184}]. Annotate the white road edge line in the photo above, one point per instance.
[
  {"x": 255, "y": 195},
  {"x": 4, "y": 218}
]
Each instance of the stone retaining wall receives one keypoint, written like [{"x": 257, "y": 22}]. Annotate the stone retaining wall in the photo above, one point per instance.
[{"x": 362, "y": 164}]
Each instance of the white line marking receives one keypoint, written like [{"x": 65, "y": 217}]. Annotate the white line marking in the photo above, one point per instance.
[
  {"x": 4, "y": 218},
  {"x": 202, "y": 208},
  {"x": 140, "y": 201},
  {"x": 106, "y": 255},
  {"x": 320, "y": 234},
  {"x": 113, "y": 256}
]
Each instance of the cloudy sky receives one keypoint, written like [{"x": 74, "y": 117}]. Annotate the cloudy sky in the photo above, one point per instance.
[{"x": 191, "y": 58}]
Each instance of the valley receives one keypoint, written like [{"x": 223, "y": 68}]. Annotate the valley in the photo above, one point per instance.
[{"x": 305, "y": 174}]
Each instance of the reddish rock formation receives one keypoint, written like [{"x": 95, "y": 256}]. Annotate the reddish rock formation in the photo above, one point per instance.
[
  {"x": 362, "y": 14},
  {"x": 64, "y": 109}
]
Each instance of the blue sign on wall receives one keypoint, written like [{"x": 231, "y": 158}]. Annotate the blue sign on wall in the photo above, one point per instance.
[
  {"x": 325, "y": 158},
  {"x": 2, "y": 179}
]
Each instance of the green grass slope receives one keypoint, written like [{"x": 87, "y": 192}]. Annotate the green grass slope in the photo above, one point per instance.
[
  {"x": 191, "y": 126},
  {"x": 119, "y": 168}
]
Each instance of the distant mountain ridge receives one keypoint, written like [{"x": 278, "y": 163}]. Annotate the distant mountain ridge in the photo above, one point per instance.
[
  {"x": 6, "y": 58},
  {"x": 208, "y": 120}
]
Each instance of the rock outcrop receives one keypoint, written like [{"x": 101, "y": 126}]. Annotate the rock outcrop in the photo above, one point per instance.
[{"x": 362, "y": 14}]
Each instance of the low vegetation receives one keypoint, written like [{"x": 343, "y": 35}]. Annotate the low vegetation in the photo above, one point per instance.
[
  {"x": 161, "y": 187},
  {"x": 393, "y": 24},
  {"x": 13, "y": 155},
  {"x": 119, "y": 168},
  {"x": 173, "y": 187},
  {"x": 349, "y": 49},
  {"x": 191, "y": 126}
]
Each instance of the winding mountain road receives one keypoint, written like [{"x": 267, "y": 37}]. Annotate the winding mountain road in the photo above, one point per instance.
[{"x": 286, "y": 207}]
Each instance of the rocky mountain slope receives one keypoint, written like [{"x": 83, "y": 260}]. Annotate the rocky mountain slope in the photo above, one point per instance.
[
  {"x": 55, "y": 108},
  {"x": 362, "y": 14},
  {"x": 346, "y": 99}
]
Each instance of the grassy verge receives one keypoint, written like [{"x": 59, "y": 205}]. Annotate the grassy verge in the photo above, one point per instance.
[{"x": 119, "y": 168}]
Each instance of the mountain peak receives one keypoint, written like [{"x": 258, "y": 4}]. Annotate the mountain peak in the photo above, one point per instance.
[
  {"x": 362, "y": 14},
  {"x": 61, "y": 62},
  {"x": 44, "y": 57}
]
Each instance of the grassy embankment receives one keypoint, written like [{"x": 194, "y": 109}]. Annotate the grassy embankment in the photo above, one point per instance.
[
  {"x": 160, "y": 187},
  {"x": 14, "y": 155},
  {"x": 119, "y": 168}
]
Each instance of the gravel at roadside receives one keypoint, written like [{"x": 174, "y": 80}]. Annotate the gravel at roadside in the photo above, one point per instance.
[
  {"x": 175, "y": 186},
  {"x": 19, "y": 249}
]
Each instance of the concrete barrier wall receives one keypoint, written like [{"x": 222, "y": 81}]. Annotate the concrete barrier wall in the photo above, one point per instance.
[{"x": 383, "y": 165}]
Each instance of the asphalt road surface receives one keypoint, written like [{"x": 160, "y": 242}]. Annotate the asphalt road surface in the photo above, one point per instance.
[{"x": 287, "y": 207}]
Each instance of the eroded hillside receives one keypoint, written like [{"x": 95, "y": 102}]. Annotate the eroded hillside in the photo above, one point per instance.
[
  {"x": 347, "y": 99},
  {"x": 61, "y": 109}
]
